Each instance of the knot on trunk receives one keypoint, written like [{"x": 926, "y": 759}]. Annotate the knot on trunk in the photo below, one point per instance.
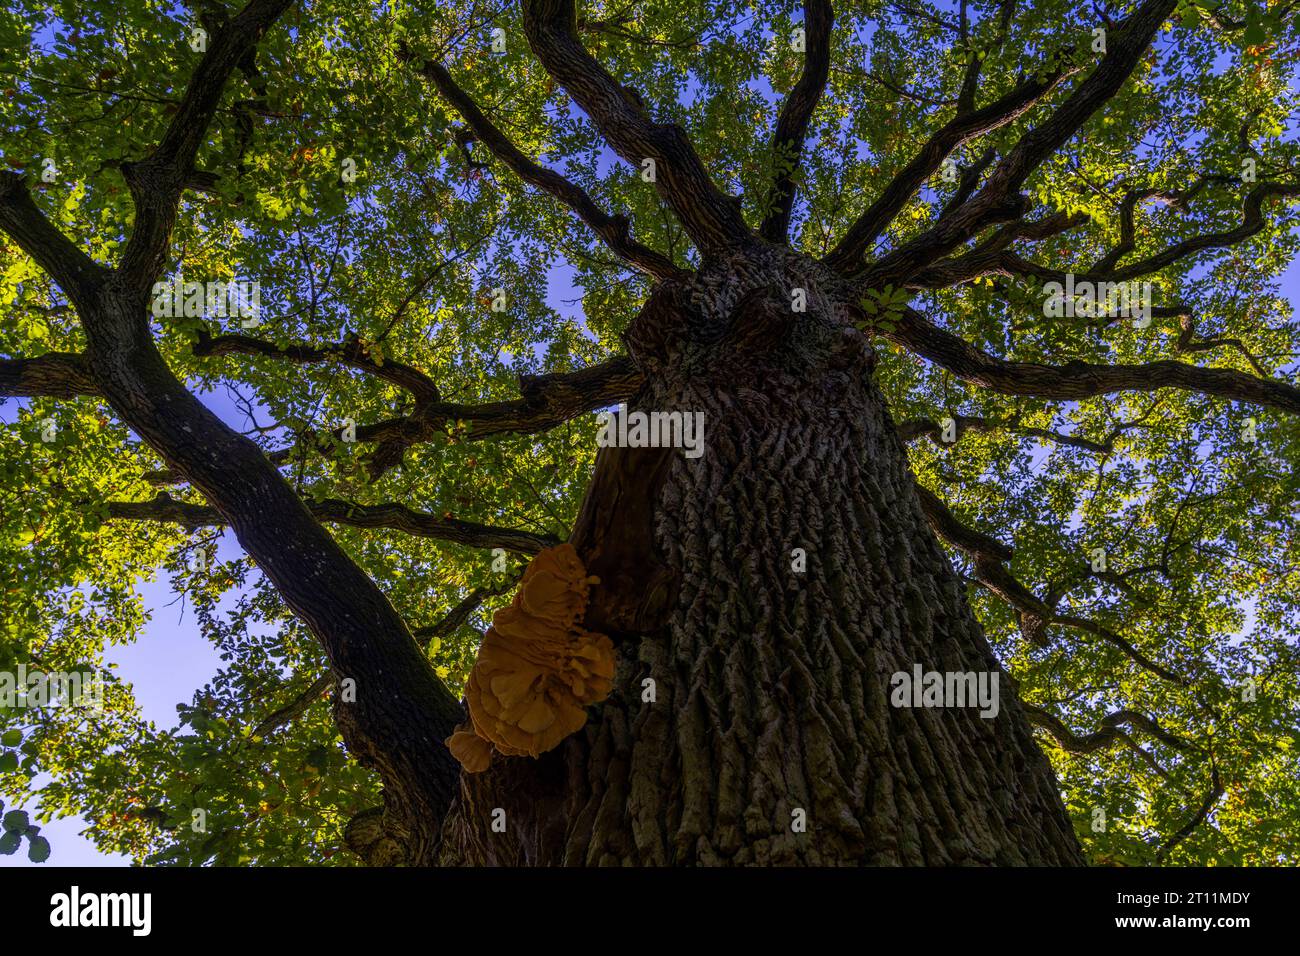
[
  {"x": 760, "y": 308},
  {"x": 368, "y": 835}
]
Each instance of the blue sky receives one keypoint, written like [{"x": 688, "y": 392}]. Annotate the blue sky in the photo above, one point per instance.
[{"x": 168, "y": 662}]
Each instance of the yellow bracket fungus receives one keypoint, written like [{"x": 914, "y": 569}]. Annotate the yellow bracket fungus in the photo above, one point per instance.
[{"x": 537, "y": 669}]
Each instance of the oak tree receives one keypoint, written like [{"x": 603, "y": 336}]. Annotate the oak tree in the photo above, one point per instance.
[{"x": 840, "y": 231}]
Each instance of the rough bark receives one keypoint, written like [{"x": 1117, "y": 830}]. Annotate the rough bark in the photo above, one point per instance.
[
  {"x": 772, "y": 686},
  {"x": 56, "y": 374}
]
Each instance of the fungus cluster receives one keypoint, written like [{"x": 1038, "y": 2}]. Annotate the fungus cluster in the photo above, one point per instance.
[{"x": 537, "y": 669}]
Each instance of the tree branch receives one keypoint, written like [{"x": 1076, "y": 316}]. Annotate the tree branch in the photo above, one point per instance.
[
  {"x": 915, "y": 428},
  {"x": 296, "y": 707},
  {"x": 1187, "y": 342},
  {"x": 919, "y": 11},
  {"x": 548, "y": 400},
  {"x": 710, "y": 217},
  {"x": 988, "y": 555},
  {"x": 388, "y": 515},
  {"x": 1252, "y": 222},
  {"x": 1212, "y": 797},
  {"x": 55, "y": 374},
  {"x": 353, "y": 351},
  {"x": 614, "y": 231},
  {"x": 796, "y": 115},
  {"x": 1000, "y": 200},
  {"x": 960, "y": 536},
  {"x": 1109, "y": 734},
  {"x": 156, "y": 182},
  {"x": 364, "y": 638},
  {"x": 987, "y": 260},
  {"x": 76, "y": 273},
  {"x": 991, "y": 256},
  {"x": 458, "y": 615},
  {"x": 965, "y": 126},
  {"x": 1076, "y": 380},
  {"x": 422, "y": 524}
]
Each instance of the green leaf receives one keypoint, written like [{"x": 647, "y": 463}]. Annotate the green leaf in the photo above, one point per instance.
[
  {"x": 38, "y": 851},
  {"x": 11, "y": 738}
]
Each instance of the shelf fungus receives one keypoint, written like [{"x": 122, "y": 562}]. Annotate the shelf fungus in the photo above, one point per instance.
[{"x": 537, "y": 669}]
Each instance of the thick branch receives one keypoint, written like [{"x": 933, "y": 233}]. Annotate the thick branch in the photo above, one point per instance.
[
  {"x": 353, "y": 352},
  {"x": 916, "y": 427},
  {"x": 796, "y": 115},
  {"x": 397, "y": 712},
  {"x": 1252, "y": 222},
  {"x": 55, "y": 374},
  {"x": 1000, "y": 200},
  {"x": 988, "y": 555},
  {"x": 1076, "y": 380},
  {"x": 459, "y": 614},
  {"x": 952, "y": 531},
  {"x": 296, "y": 707},
  {"x": 75, "y": 272},
  {"x": 548, "y": 400},
  {"x": 992, "y": 257},
  {"x": 850, "y": 250},
  {"x": 444, "y": 528},
  {"x": 710, "y": 217},
  {"x": 1187, "y": 342},
  {"x": 1109, "y": 734},
  {"x": 969, "y": 179},
  {"x": 989, "y": 260}
]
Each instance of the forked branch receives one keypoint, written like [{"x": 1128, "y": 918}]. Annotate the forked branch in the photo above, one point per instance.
[{"x": 710, "y": 217}]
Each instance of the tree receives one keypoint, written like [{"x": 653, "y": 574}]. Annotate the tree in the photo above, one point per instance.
[{"x": 980, "y": 307}]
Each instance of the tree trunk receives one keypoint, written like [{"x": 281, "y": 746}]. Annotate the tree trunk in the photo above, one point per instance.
[{"x": 772, "y": 685}]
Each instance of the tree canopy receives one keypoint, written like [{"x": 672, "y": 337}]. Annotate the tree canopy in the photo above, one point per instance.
[{"x": 448, "y": 247}]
